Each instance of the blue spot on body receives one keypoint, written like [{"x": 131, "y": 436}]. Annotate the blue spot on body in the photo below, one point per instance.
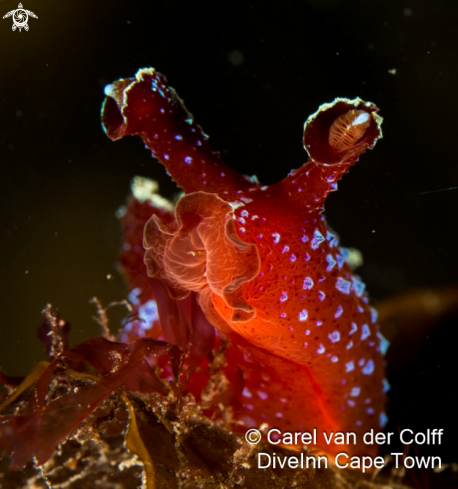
[
  {"x": 386, "y": 385},
  {"x": 374, "y": 315},
  {"x": 334, "y": 359},
  {"x": 351, "y": 403},
  {"x": 318, "y": 238},
  {"x": 304, "y": 238},
  {"x": 358, "y": 286},
  {"x": 365, "y": 332},
  {"x": 343, "y": 285},
  {"x": 308, "y": 283},
  {"x": 339, "y": 311},
  {"x": 321, "y": 349},
  {"x": 354, "y": 328},
  {"x": 178, "y": 137},
  {"x": 342, "y": 257},
  {"x": 331, "y": 262},
  {"x": 350, "y": 366},
  {"x": 303, "y": 315},
  {"x": 355, "y": 391},
  {"x": 283, "y": 297},
  {"x": 188, "y": 160},
  {"x": 383, "y": 420},
  {"x": 321, "y": 295},
  {"x": 384, "y": 343},
  {"x": 369, "y": 368},
  {"x": 334, "y": 336},
  {"x": 276, "y": 237}
]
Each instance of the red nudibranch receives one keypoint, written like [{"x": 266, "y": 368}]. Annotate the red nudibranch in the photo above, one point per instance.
[{"x": 267, "y": 271}]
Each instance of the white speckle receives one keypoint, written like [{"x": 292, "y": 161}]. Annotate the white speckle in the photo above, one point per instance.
[
  {"x": 304, "y": 238},
  {"x": 343, "y": 285},
  {"x": 354, "y": 328},
  {"x": 331, "y": 262},
  {"x": 350, "y": 366},
  {"x": 383, "y": 420},
  {"x": 283, "y": 297},
  {"x": 355, "y": 392},
  {"x": 339, "y": 311},
  {"x": 283, "y": 315},
  {"x": 178, "y": 137},
  {"x": 317, "y": 239},
  {"x": 351, "y": 403},
  {"x": 368, "y": 368},
  {"x": 276, "y": 237},
  {"x": 303, "y": 315},
  {"x": 244, "y": 213},
  {"x": 265, "y": 187},
  {"x": 253, "y": 218},
  {"x": 360, "y": 309},
  {"x": 247, "y": 200},
  {"x": 308, "y": 283},
  {"x": 307, "y": 332},
  {"x": 166, "y": 157},
  {"x": 321, "y": 295},
  {"x": 285, "y": 249},
  {"x": 246, "y": 393},
  {"x": 319, "y": 322},
  {"x": 198, "y": 143},
  {"x": 161, "y": 111},
  {"x": 307, "y": 257},
  {"x": 365, "y": 332},
  {"x": 292, "y": 258},
  {"x": 386, "y": 385},
  {"x": 188, "y": 160},
  {"x": 361, "y": 362},
  {"x": 334, "y": 336},
  {"x": 242, "y": 230},
  {"x": 262, "y": 395},
  {"x": 334, "y": 359},
  {"x": 374, "y": 315},
  {"x": 350, "y": 345},
  {"x": 305, "y": 344},
  {"x": 321, "y": 349},
  {"x": 279, "y": 415},
  {"x": 241, "y": 220}
]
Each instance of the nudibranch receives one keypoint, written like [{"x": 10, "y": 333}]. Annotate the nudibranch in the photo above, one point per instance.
[{"x": 268, "y": 272}]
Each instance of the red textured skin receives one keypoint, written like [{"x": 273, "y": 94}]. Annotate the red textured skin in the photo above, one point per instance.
[{"x": 301, "y": 329}]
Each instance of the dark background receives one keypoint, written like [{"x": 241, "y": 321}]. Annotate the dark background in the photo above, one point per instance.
[{"x": 251, "y": 73}]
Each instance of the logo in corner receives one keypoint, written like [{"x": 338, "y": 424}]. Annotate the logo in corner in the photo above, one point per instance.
[{"x": 20, "y": 18}]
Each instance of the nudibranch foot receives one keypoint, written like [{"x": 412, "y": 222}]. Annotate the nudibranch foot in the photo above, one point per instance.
[{"x": 267, "y": 271}]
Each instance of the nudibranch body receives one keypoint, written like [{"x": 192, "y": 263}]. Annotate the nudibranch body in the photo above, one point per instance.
[{"x": 268, "y": 272}]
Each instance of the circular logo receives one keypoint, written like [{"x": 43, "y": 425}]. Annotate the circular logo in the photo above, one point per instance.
[
  {"x": 20, "y": 17},
  {"x": 253, "y": 436}
]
